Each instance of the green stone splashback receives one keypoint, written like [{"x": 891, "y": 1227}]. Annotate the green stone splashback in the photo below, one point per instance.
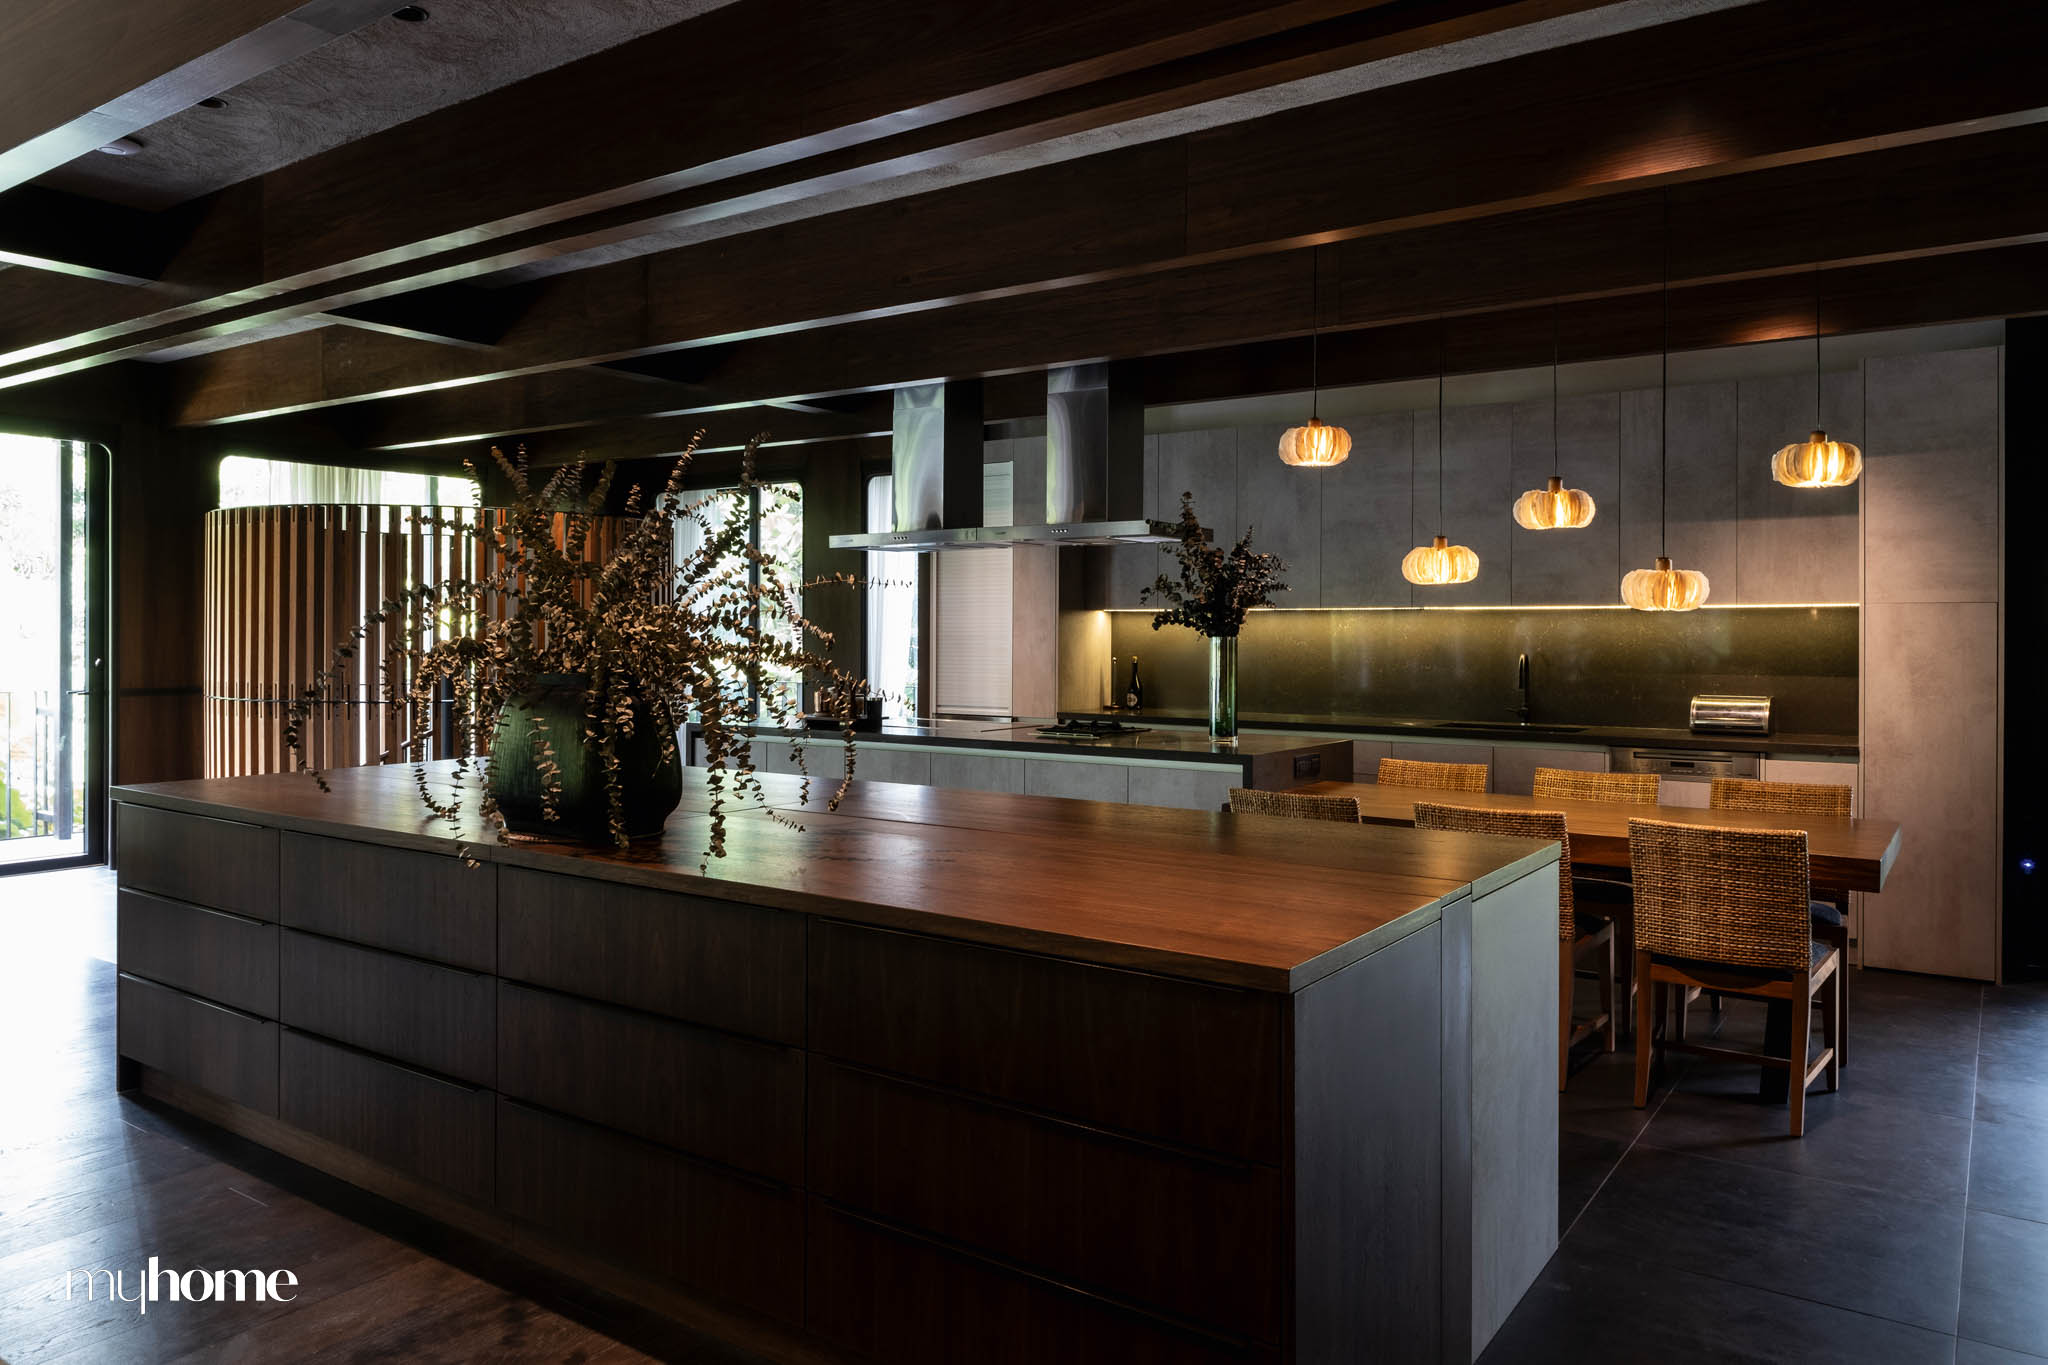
[{"x": 1588, "y": 666}]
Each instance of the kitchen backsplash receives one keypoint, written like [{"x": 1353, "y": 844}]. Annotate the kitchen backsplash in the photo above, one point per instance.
[{"x": 1587, "y": 665}]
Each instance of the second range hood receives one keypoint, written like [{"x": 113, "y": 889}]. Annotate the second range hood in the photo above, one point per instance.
[{"x": 1094, "y": 467}]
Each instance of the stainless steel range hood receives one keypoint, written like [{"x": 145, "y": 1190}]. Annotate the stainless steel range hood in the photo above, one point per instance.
[{"x": 1094, "y": 467}]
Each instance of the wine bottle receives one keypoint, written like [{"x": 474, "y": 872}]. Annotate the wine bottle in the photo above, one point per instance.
[{"x": 1134, "y": 695}]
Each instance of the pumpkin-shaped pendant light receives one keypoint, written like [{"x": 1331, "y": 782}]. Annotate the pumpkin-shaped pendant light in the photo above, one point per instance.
[
  {"x": 1317, "y": 445},
  {"x": 1817, "y": 462},
  {"x": 1663, "y": 588},
  {"x": 1554, "y": 507},
  {"x": 1438, "y": 564}
]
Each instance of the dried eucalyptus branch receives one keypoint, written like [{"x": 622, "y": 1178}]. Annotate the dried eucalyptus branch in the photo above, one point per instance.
[{"x": 1217, "y": 586}]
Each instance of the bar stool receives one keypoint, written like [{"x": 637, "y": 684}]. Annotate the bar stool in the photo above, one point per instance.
[
  {"x": 1830, "y": 912},
  {"x": 1726, "y": 910},
  {"x": 1577, "y": 934},
  {"x": 1245, "y": 801},
  {"x": 1442, "y": 777}
]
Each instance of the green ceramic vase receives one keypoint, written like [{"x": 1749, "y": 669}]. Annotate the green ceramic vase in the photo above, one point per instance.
[{"x": 653, "y": 786}]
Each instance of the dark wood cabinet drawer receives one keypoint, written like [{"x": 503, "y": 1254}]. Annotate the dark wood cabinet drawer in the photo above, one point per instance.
[
  {"x": 221, "y": 864},
  {"x": 429, "y": 905},
  {"x": 228, "y": 958},
  {"x": 730, "y": 1099},
  {"x": 646, "y": 1208},
  {"x": 419, "y": 1013},
  {"x": 428, "y": 1128},
  {"x": 1189, "y": 1063},
  {"x": 734, "y": 967},
  {"x": 1195, "y": 1238},
  {"x": 907, "y": 1301},
  {"x": 223, "y": 1050}
]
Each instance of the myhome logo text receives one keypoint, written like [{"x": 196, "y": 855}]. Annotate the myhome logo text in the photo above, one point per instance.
[{"x": 157, "y": 1284}]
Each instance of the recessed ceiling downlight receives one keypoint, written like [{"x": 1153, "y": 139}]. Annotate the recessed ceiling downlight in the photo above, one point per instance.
[
  {"x": 410, "y": 14},
  {"x": 122, "y": 146}
]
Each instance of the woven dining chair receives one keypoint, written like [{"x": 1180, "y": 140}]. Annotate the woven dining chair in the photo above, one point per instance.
[
  {"x": 1725, "y": 910},
  {"x": 1577, "y": 933},
  {"x": 1570, "y": 784},
  {"x": 1442, "y": 777},
  {"x": 1245, "y": 801},
  {"x": 1829, "y": 909}
]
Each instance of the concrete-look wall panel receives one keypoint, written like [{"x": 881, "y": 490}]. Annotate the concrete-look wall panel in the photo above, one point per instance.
[
  {"x": 1930, "y": 762},
  {"x": 1282, "y": 506},
  {"x": 1553, "y": 568},
  {"x": 1368, "y": 514},
  {"x": 1931, "y": 500},
  {"x": 1795, "y": 544}
]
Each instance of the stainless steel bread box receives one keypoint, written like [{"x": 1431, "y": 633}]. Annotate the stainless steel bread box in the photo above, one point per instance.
[{"x": 1731, "y": 715}]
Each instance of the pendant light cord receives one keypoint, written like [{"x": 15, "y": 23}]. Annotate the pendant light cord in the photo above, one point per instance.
[
  {"x": 1443, "y": 361},
  {"x": 1664, "y": 404},
  {"x": 1556, "y": 459},
  {"x": 1315, "y": 331},
  {"x": 1816, "y": 346}
]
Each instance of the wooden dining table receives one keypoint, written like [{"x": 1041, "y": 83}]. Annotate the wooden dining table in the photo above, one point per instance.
[
  {"x": 1853, "y": 854},
  {"x": 1844, "y": 854}
]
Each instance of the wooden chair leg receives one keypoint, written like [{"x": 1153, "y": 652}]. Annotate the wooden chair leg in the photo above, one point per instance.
[
  {"x": 1565, "y": 954},
  {"x": 1836, "y": 1015},
  {"x": 1607, "y": 1000},
  {"x": 1646, "y": 1027},
  {"x": 1842, "y": 1006},
  {"x": 1802, "y": 1035},
  {"x": 1682, "y": 997}
]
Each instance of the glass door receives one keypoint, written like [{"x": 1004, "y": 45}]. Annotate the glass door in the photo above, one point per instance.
[{"x": 50, "y": 741}]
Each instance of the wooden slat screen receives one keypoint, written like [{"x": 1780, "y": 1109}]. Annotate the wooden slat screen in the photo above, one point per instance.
[{"x": 284, "y": 584}]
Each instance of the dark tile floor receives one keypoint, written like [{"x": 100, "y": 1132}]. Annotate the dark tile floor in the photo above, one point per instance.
[{"x": 1910, "y": 1223}]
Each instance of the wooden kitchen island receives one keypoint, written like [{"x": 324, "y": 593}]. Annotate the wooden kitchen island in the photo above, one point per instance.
[{"x": 944, "y": 1076}]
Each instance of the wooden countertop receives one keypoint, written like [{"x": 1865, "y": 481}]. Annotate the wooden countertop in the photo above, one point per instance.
[
  {"x": 1246, "y": 901},
  {"x": 1845, "y": 854}
]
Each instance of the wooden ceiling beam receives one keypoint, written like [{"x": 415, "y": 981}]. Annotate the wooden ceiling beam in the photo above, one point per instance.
[
  {"x": 76, "y": 76},
  {"x": 519, "y": 174},
  {"x": 1231, "y": 312},
  {"x": 1968, "y": 193}
]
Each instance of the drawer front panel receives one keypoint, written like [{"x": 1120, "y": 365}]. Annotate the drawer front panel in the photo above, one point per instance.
[
  {"x": 1192, "y": 1064},
  {"x": 428, "y": 1016},
  {"x": 653, "y": 1211},
  {"x": 217, "y": 863},
  {"x": 895, "y": 1298},
  {"x": 230, "y": 1053},
  {"x": 734, "y": 967},
  {"x": 428, "y": 1128},
  {"x": 223, "y": 957},
  {"x": 1194, "y": 1238},
  {"x": 730, "y": 1099},
  {"x": 425, "y": 904}
]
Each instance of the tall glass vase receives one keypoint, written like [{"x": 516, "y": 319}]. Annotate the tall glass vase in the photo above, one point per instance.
[{"x": 1223, "y": 687}]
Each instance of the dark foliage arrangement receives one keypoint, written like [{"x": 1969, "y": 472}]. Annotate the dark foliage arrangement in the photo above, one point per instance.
[
  {"x": 652, "y": 638},
  {"x": 1217, "y": 586}
]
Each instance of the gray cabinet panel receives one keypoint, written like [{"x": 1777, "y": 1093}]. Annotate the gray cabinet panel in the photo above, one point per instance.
[
  {"x": 1083, "y": 781},
  {"x": 1282, "y": 506},
  {"x": 1184, "y": 788},
  {"x": 1368, "y": 516},
  {"x": 874, "y": 764},
  {"x": 1365, "y": 758},
  {"x": 1641, "y": 492},
  {"x": 977, "y": 772},
  {"x": 1515, "y": 765},
  {"x": 1203, "y": 463},
  {"x": 1551, "y": 568},
  {"x": 1930, "y": 478},
  {"x": 1795, "y": 544}
]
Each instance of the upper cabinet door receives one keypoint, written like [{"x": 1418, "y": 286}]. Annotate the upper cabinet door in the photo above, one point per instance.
[{"x": 1368, "y": 512}]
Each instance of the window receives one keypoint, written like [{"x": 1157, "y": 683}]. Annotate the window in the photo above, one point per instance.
[
  {"x": 892, "y": 612},
  {"x": 777, "y": 527},
  {"x": 247, "y": 481}
]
